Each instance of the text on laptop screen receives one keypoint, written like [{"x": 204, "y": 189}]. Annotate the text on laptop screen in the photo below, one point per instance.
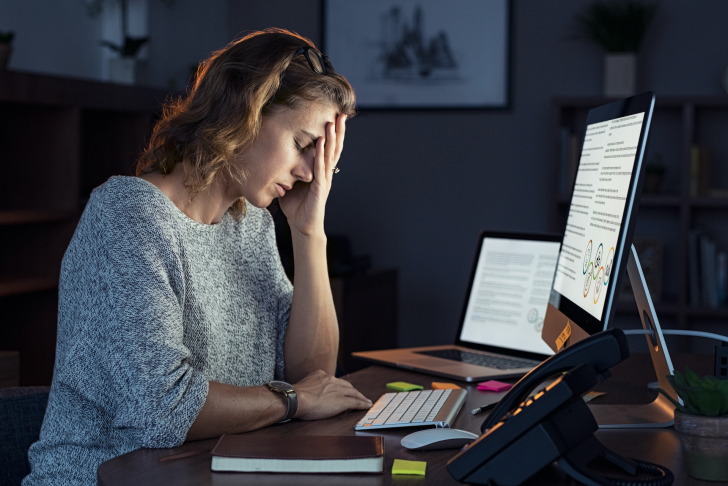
[
  {"x": 510, "y": 293},
  {"x": 597, "y": 207}
]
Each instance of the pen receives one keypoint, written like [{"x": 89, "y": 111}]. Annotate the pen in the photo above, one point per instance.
[{"x": 484, "y": 408}]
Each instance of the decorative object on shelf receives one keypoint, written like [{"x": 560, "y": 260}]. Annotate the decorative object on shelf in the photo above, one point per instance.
[
  {"x": 6, "y": 48},
  {"x": 654, "y": 175},
  {"x": 702, "y": 423},
  {"x": 414, "y": 54},
  {"x": 700, "y": 158},
  {"x": 127, "y": 68},
  {"x": 618, "y": 26}
]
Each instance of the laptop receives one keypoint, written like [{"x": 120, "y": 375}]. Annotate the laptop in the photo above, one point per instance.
[{"x": 502, "y": 318}]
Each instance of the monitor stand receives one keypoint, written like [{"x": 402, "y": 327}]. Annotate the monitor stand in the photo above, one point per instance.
[{"x": 660, "y": 412}]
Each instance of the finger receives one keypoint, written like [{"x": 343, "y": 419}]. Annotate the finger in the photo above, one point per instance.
[
  {"x": 330, "y": 147},
  {"x": 340, "y": 132},
  {"x": 319, "y": 163},
  {"x": 358, "y": 404}
]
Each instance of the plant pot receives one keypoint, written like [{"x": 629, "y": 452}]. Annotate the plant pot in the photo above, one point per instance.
[
  {"x": 620, "y": 74},
  {"x": 127, "y": 70},
  {"x": 5, "y": 51},
  {"x": 705, "y": 445}
]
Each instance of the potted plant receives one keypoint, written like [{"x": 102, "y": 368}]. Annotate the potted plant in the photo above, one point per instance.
[
  {"x": 6, "y": 48},
  {"x": 702, "y": 423},
  {"x": 618, "y": 26},
  {"x": 126, "y": 68}
]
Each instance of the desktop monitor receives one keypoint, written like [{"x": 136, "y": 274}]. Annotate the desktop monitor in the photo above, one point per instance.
[{"x": 601, "y": 221}]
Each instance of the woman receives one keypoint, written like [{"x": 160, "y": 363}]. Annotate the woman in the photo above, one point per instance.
[{"x": 175, "y": 313}]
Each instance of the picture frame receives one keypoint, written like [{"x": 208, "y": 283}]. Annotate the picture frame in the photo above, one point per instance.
[{"x": 421, "y": 54}]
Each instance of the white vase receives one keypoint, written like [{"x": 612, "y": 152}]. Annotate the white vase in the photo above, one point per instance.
[
  {"x": 127, "y": 70},
  {"x": 620, "y": 74}
]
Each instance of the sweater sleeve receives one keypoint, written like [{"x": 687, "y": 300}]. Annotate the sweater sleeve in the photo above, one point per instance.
[
  {"x": 283, "y": 295},
  {"x": 156, "y": 391}
]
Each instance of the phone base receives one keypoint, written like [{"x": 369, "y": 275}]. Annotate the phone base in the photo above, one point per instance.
[{"x": 659, "y": 413}]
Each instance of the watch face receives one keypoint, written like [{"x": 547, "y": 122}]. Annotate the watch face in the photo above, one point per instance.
[{"x": 281, "y": 386}]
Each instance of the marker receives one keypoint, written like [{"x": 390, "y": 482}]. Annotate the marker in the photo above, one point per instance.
[{"x": 484, "y": 408}]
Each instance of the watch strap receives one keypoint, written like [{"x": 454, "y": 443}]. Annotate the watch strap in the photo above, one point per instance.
[{"x": 292, "y": 402}]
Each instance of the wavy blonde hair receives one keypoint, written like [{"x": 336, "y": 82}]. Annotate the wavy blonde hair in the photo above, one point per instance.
[{"x": 222, "y": 113}]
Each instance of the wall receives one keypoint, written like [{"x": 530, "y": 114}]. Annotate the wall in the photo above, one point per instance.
[
  {"x": 416, "y": 188},
  {"x": 57, "y": 37}
]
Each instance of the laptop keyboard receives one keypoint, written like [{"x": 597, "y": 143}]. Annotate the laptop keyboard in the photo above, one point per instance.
[{"x": 497, "y": 362}]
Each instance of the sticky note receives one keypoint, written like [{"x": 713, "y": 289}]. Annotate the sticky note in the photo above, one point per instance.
[
  {"x": 403, "y": 386},
  {"x": 444, "y": 386},
  {"x": 401, "y": 466},
  {"x": 561, "y": 340},
  {"x": 494, "y": 386}
]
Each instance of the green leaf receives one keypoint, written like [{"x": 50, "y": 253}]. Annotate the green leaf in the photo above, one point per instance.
[
  {"x": 678, "y": 378},
  {"x": 677, "y": 404},
  {"x": 707, "y": 401},
  {"x": 691, "y": 377}
]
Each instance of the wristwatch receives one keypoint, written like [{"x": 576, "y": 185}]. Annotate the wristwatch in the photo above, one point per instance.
[{"x": 292, "y": 400}]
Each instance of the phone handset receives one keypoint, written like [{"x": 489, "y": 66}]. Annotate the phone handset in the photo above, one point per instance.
[{"x": 602, "y": 351}]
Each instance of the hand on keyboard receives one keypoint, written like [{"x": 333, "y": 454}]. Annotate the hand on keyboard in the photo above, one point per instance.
[{"x": 321, "y": 396}]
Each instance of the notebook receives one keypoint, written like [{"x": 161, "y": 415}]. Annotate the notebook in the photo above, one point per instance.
[
  {"x": 502, "y": 317},
  {"x": 299, "y": 454}
]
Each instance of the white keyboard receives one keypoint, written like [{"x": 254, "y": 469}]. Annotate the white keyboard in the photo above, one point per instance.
[{"x": 415, "y": 408}]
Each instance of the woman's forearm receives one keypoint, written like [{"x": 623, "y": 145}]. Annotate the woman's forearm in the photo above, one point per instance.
[
  {"x": 312, "y": 336},
  {"x": 231, "y": 409}
]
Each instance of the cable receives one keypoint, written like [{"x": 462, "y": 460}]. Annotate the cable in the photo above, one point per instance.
[
  {"x": 662, "y": 476},
  {"x": 680, "y": 332}
]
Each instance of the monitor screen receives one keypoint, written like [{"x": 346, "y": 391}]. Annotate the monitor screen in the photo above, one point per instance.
[
  {"x": 601, "y": 190},
  {"x": 509, "y": 294},
  {"x": 601, "y": 220}
]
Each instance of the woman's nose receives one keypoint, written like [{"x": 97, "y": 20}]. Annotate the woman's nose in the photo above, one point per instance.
[{"x": 304, "y": 170}]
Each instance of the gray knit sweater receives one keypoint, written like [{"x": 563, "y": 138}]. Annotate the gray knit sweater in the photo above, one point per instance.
[{"x": 152, "y": 306}]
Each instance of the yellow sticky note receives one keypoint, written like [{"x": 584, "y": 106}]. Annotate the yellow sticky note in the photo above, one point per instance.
[
  {"x": 444, "y": 386},
  {"x": 401, "y": 386},
  {"x": 561, "y": 340},
  {"x": 416, "y": 468}
]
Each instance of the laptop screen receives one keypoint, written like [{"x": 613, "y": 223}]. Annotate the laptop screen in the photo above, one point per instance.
[{"x": 509, "y": 293}]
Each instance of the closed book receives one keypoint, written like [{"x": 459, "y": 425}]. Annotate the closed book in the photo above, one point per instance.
[{"x": 299, "y": 454}]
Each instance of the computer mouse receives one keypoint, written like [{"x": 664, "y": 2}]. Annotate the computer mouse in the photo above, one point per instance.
[{"x": 440, "y": 438}]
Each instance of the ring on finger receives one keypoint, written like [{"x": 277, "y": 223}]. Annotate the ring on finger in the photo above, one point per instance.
[{"x": 336, "y": 170}]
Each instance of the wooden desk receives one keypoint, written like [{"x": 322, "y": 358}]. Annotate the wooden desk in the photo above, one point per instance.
[{"x": 143, "y": 467}]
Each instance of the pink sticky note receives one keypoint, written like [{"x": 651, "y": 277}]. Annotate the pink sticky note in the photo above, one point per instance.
[{"x": 494, "y": 386}]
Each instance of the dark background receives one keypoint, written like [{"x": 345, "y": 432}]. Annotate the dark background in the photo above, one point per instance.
[{"x": 416, "y": 186}]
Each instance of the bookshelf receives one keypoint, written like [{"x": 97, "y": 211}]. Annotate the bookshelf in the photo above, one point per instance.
[
  {"x": 59, "y": 138},
  {"x": 678, "y": 124}
]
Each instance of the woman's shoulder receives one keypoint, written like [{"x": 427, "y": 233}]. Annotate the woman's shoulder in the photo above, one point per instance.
[{"x": 125, "y": 202}]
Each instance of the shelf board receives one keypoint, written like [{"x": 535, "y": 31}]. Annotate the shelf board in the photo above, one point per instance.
[
  {"x": 708, "y": 312},
  {"x": 26, "y": 285},
  {"x": 709, "y": 202},
  {"x": 33, "y": 216}
]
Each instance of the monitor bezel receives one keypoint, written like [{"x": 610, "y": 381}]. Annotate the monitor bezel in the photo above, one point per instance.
[
  {"x": 550, "y": 237},
  {"x": 641, "y": 103}
]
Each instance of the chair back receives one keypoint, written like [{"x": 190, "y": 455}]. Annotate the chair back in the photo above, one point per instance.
[{"x": 21, "y": 415}]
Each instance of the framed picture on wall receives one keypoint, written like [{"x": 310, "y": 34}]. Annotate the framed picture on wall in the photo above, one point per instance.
[{"x": 421, "y": 53}]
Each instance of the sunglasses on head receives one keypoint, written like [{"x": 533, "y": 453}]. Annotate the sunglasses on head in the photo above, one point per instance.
[{"x": 319, "y": 64}]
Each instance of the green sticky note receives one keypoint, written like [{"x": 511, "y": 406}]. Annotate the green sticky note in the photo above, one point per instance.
[
  {"x": 401, "y": 466},
  {"x": 403, "y": 386}
]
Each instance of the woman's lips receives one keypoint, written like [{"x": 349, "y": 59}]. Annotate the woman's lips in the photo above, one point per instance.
[{"x": 282, "y": 189}]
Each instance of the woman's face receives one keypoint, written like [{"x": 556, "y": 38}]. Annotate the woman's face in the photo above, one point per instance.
[{"x": 284, "y": 152}]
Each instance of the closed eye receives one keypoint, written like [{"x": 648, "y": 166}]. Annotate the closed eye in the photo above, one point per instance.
[{"x": 300, "y": 148}]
